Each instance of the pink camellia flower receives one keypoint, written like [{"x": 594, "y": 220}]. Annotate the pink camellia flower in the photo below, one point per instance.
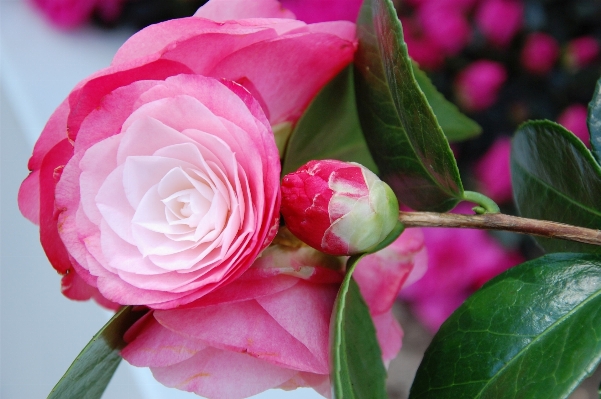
[
  {"x": 581, "y": 52},
  {"x": 477, "y": 86},
  {"x": 421, "y": 49},
  {"x": 459, "y": 262},
  {"x": 445, "y": 26},
  {"x": 539, "y": 53},
  {"x": 272, "y": 324},
  {"x": 155, "y": 184},
  {"x": 71, "y": 13},
  {"x": 500, "y": 20},
  {"x": 323, "y": 202},
  {"x": 494, "y": 173},
  {"x": 574, "y": 118},
  {"x": 312, "y": 11}
]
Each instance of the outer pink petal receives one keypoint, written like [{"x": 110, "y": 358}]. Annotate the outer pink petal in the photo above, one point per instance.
[
  {"x": 215, "y": 373},
  {"x": 50, "y": 171},
  {"x": 156, "y": 346},
  {"x": 224, "y": 10},
  {"x": 381, "y": 275},
  {"x": 310, "y": 321},
  {"x": 54, "y": 131},
  {"x": 29, "y": 197},
  {"x": 389, "y": 335},
  {"x": 242, "y": 327},
  {"x": 288, "y": 83}
]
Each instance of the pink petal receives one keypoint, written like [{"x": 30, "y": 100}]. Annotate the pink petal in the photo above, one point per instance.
[
  {"x": 210, "y": 372},
  {"x": 242, "y": 327},
  {"x": 224, "y": 10}
]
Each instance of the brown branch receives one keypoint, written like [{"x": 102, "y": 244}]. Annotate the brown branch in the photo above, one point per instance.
[{"x": 499, "y": 221}]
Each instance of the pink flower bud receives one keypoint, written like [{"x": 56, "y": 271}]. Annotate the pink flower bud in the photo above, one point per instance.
[
  {"x": 573, "y": 118},
  {"x": 539, "y": 53},
  {"x": 499, "y": 20},
  {"x": 476, "y": 87},
  {"x": 340, "y": 208},
  {"x": 581, "y": 52}
]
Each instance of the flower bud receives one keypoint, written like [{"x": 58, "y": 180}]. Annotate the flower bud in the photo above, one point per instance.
[
  {"x": 582, "y": 52},
  {"x": 500, "y": 20},
  {"x": 340, "y": 208},
  {"x": 477, "y": 86},
  {"x": 573, "y": 118}
]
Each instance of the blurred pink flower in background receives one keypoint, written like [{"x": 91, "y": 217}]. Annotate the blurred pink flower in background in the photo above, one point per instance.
[
  {"x": 499, "y": 20},
  {"x": 459, "y": 262},
  {"x": 68, "y": 14},
  {"x": 312, "y": 11},
  {"x": 476, "y": 86},
  {"x": 445, "y": 26},
  {"x": 573, "y": 118},
  {"x": 539, "y": 53},
  {"x": 582, "y": 52},
  {"x": 271, "y": 325},
  {"x": 493, "y": 171}
]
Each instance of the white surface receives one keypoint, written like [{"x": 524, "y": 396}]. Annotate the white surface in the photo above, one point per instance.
[{"x": 41, "y": 331}]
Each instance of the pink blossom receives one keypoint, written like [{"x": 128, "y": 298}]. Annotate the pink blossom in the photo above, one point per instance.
[
  {"x": 155, "y": 96},
  {"x": 500, "y": 20},
  {"x": 494, "y": 173},
  {"x": 421, "y": 49},
  {"x": 445, "y": 26},
  {"x": 477, "y": 86},
  {"x": 581, "y": 52},
  {"x": 71, "y": 13},
  {"x": 272, "y": 324},
  {"x": 324, "y": 201},
  {"x": 312, "y": 11},
  {"x": 573, "y": 118},
  {"x": 459, "y": 262},
  {"x": 539, "y": 53}
]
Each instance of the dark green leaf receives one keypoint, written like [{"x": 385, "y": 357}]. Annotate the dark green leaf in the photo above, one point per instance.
[
  {"x": 455, "y": 125},
  {"x": 555, "y": 178},
  {"x": 357, "y": 369},
  {"x": 532, "y": 332},
  {"x": 92, "y": 369},
  {"x": 400, "y": 128},
  {"x": 594, "y": 121},
  {"x": 329, "y": 128}
]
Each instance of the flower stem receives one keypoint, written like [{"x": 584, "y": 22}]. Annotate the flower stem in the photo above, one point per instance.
[{"x": 498, "y": 221}]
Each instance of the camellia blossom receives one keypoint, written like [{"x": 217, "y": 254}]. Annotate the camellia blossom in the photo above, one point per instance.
[
  {"x": 539, "y": 53},
  {"x": 582, "y": 52},
  {"x": 476, "y": 86},
  {"x": 272, "y": 324},
  {"x": 120, "y": 178},
  {"x": 493, "y": 171},
  {"x": 324, "y": 201},
  {"x": 71, "y": 13},
  {"x": 500, "y": 20},
  {"x": 574, "y": 118}
]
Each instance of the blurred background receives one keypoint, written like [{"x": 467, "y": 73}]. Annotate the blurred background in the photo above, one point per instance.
[{"x": 501, "y": 61}]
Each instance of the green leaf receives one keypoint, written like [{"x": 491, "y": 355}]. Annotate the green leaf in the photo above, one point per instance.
[
  {"x": 532, "y": 332},
  {"x": 92, "y": 369},
  {"x": 594, "y": 121},
  {"x": 357, "y": 369},
  {"x": 400, "y": 128},
  {"x": 329, "y": 128},
  {"x": 556, "y": 178},
  {"x": 455, "y": 125}
]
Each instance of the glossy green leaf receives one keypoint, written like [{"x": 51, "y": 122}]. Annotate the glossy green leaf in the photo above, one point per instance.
[
  {"x": 556, "y": 178},
  {"x": 329, "y": 128},
  {"x": 455, "y": 125},
  {"x": 400, "y": 128},
  {"x": 92, "y": 369},
  {"x": 357, "y": 369},
  {"x": 594, "y": 121},
  {"x": 533, "y": 332}
]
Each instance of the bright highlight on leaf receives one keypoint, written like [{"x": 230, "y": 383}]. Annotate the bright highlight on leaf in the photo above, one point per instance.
[{"x": 532, "y": 332}]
